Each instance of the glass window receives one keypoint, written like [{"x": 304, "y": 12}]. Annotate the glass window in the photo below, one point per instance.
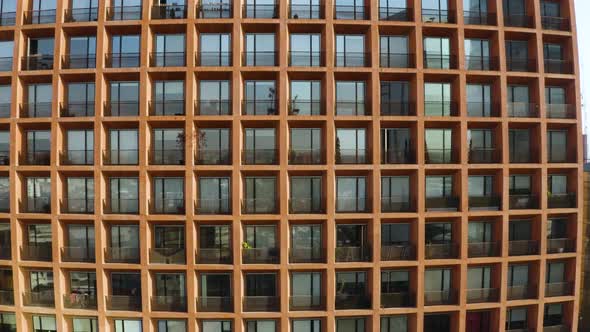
[
  {"x": 516, "y": 318},
  {"x": 395, "y": 98},
  {"x": 124, "y": 146},
  {"x": 436, "y": 280},
  {"x": 350, "y": 193},
  {"x": 260, "y": 97},
  {"x": 171, "y": 325},
  {"x": 350, "y": 324},
  {"x": 350, "y": 98},
  {"x": 44, "y": 324},
  {"x": 128, "y": 325},
  {"x": 306, "y": 325},
  {"x": 260, "y": 49},
  {"x": 518, "y": 275},
  {"x": 8, "y": 321},
  {"x": 215, "y": 49},
  {"x": 557, "y": 143},
  {"x": 397, "y": 323},
  {"x": 124, "y": 195},
  {"x": 305, "y": 49},
  {"x": 261, "y": 326},
  {"x": 480, "y": 232},
  {"x": 437, "y": 52},
  {"x": 216, "y": 326},
  {"x": 350, "y": 50},
  {"x": 437, "y": 99}
]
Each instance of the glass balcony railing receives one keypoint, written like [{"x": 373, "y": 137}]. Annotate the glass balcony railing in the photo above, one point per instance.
[
  {"x": 44, "y": 299},
  {"x": 37, "y": 62},
  {"x": 259, "y": 156},
  {"x": 446, "y": 203},
  {"x": 351, "y": 156},
  {"x": 307, "y": 255},
  {"x": 521, "y": 292},
  {"x": 123, "y": 302},
  {"x": 7, "y": 19},
  {"x": 523, "y": 247},
  {"x": 483, "y": 249},
  {"x": 214, "y": 256},
  {"x": 6, "y": 297},
  {"x": 442, "y": 297},
  {"x": 396, "y": 60},
  {"x": 396, "y": 204},
  {"x": 344, "y": 12},
  {"x": 398, "y": 252},
  {"x": 520, "y": 64},
  {"x": 260, "y": 255},
  {"x": 259, "y": 205},
  {"x": 306, "y": 303},
  {"x": 128, "y": 255},
  {"x": 483, "y": 295},
  {"x": 166, "y": 156},
  {"x": 122, "y": 206},
  {"x": 214, "y": 59},
  {"x": 306, "y": 156},
  {"x": 558, "y": 66},
  {"x": 259, "y": 107},
  {"x": 214, "y": 10},
  {"x": 78, "y": 205},
  {"x": 36, "y": 110},
  {"x": 260, "y": 58},
  {"x": 557, "y": 328},
  {"x": 305, "y": 205},
  {"x": 518, "y": 20},
  {"x": 171, "y": 303},
  {"x": 564, "y": 288},
  {"x": 123, "y": 60},
  {"x": 38, "y": 157},
  {"x": 396, "y": 14},
  {"x": 81, "y": 14},
  {"x": 77, "y": 157},
  {"x": 261, "y": 303},
  {"x": 561, "y": 201},
  {"x": 121, "y": 157},
  {"x": 168, "y": 11},
  {"x": 41, "y": 204},
  {"x": 484, "y": 155},
  {"x": 441, "y": 250},
  {"x": 397, "y": 300},
  {"x": 353, "y": 253},
  {"x": 560, "y": 111},
  {"x": 213, "y": 107},
  {"x": 5, "y": 110},
  {"x": 479, "y": 18},
  {"x": 77, "y": 109},
  {"x": 169, "y": 255},
  {"x": 5, "y": 251},
  {"x": 213, "y": 157},
  {"x": 305, "y": 107},
  {"x": 78, "y": 61},
  {"x": 260, "y": 11},
  {"x": 523, "y": 201},
  {"x": 555, "y": 23},
  {"x": 483, "y": 109},
  {"x": 474, "y": 62},
  {"x": 352, "y": 59},
  {"x": 167, "y": 59},
  {"x": 485, "y": 203},
  {"x": 80, "y": 301},
  {"x": 44, "y": 16},
  {"x": 167, "y": 205},
  {"x": 5, "y": 63},
  {"x": 437, "y": 16},
  {"x": 558, "y": 246},
  {"x": 122, "y": 108},
  {"x": 166, "y": 108},
  {"x": 306, "y": 11},
  {"x": 345, "y": 301},
  {"x": 398, "y": 156},
  {"x": 306, "y": 59},
  {"x": 124, "y": 13},
  {"x": 78, "y": 254},
  {"x": 352, "y": 205},
  {"x": 215, "y": 303},
  {"x": 397, "y": 108},
  {"x": 441, "y": 156},
  {"x": 213, "y": 206}
]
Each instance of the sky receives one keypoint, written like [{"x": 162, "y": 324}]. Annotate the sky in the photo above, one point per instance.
[{"x": 583, "y": 30}]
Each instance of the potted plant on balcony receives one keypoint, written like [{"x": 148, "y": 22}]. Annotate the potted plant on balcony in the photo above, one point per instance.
[
  {"x": 294, "y": 109},
  {"x": 271, "y": 109}
]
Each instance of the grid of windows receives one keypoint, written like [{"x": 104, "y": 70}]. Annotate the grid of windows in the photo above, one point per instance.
[{"x": 389, "y": 165}]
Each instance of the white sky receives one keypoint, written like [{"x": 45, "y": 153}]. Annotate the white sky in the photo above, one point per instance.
[{"x": 583, "y": 29}]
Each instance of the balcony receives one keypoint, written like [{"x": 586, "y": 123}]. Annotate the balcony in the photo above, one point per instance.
[
  {"x": 483, "y": 295},
  {"x": 122, "y": 206},
  {"x": 213, "y": 157},
  {"x": 260, "y": 11},
  {"x": 36, "y": 158},
  {"x": 168, "y": 11},
  {"x": 261, "y": 303},
  {"x": 560, "y": 111},
  {"x": 306, "y": 205},
  {"x": 167, "y": 156},
  {"x": 172, "y": 303},
  {"x": 523, "y": 247},
  {"x": 305, "y": 107},
  {"x": 483, "y": 249},
  {"x": 479, "y": 18},
  {"x": 440, "y": 108},
  {"x": 6, "y": 64},
  {"x": 396, "y": 14},
  {"x": 260, "y": 58},
  {"x": 166, "y": 108},
  {"x": 260, "y": 255},
  {"x": 343, "y": 12},
  {"x": 37, "y": 62},
  {"x": 557, "y": 66},
  {"x": 167, "y": 256},
  {"x": 440, "y": 61},
  {"x": 167, "y": 205},
  {"x": 437, "y": 16},
  {"x": 473, "y": 62},
  {"x": 397, "y": 108},
  {"x": 36, "y": 110},
  {"x": 77, "y": 157},
  {"x": 215, "y": 107},
  {"x": 397, "y": 300},
  {"x": 124, "y": 13},
  {"x": 306, "y": 59},
  {"x": 214, "y": 59},
  {"x": 81, "y": 14},
  {"x": 213, "y": 206},
  {"x": 555, "y": 23},
  {"x": 214, "y": 10},
  {"x": 123, "y": 302},
  {"x": 351, "y": 156},
  {"x": 397, "y": 156},
  {"x": 522, "y": 155},
  {"x": 215, "y": 303},
  {"x": 44, "y": 299},
  {"x": 345, "y": 301},
  {"x": 399, "y": 252},
  {"x": 122, "y": 255},
  {"x": 259, "y": 107},
  {"x": 443, "y": 297},
  {"x": 441, "y": 204},
  {"x": 121, "y": 108},
  {"x": 352, "y": 205},
  {"x": 396, "y": 204},
  {"x": 307, "y": 255},
  {"x": 6, "y": 297},
  {"x": 352, "y": 108},
  {"x": 353, "y": 254},
  {"x": 485, "y": 203},
  {"x": 45, "y": 16},
  {"x": 483, "y": 109},
  {"x": 123, "y": 60},
  {"x": 396, "y": 60},
  {"x": 167, "y": 59},
  {"x": 214, "y": 256},
  {"x": 80, "y": 301},
  {"x": 77, "y": 109},
  {"x": 521, "y": 65},
  {"x": 306, "y": 11},
  {"x": 441, "y": 251},
  {"x": 557, "y": 328},
  {"x": 559, "y": 246},
  {"x": 5, "y": 110},
  {"x": 78, "y": 254},
  {"x": 523, "y": 202},
  {"x": 518, "y": 20},
  {"x": 484, "y": 156},
  {"x": 78, "y": 205},
  {"x": 78, "y": 61},
  {"x": 352, "y": 59},
  {"x": 306, "y": 303},
  {"x": 121, "y": 157},
  {"x": 306, "y": 157},
  {"x": 565, "y": 288},
  {"x": 441, "y": 156},
  {"x": 36, "y": 205},
  {"x": 7, "y": 19},
  {"x": 259, "y": 156},
  {"x": 561, "y": 201},
  {"x": 259, "y": 206},
  {"x": 522, "y": 292}
]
